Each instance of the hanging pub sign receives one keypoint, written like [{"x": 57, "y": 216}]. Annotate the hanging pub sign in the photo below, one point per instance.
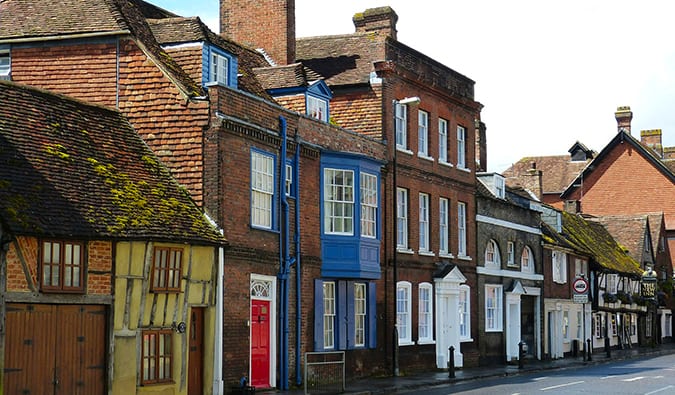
[{"x": 648, "y": 284}]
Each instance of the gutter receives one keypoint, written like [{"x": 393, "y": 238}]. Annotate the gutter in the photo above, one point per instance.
[{"x": 64, "y": 37}]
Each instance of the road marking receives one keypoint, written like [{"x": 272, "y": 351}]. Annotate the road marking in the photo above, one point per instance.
[
  {"x": 657, "y": 377},
  {"x": 634, "y": 379},
  {"x": 561, "y": 385},
  {"x": 540, "y": 378},
  {"x": 608, "y": 377},
  {"x": 659, "y": 390}
]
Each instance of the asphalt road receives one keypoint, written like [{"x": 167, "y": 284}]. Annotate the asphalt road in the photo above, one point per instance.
[{"x": 649, "y": 376}]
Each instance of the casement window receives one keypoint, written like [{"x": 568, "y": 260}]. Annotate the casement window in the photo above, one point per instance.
[
  {"x": 492, "y": 255},
  {"x": 328, "y": 314},
  {"x": 424, "y": 222},
  {"x": 289, "y": 180},
  {"x": 423, "y": 134},
  {"x": 369, "y": 205},
  {"x": 338, "y": 201},
  {"x": 566, "y": 326},
  {"x": 461, "y": 147},
  {"x": 461, "y": 229},
  {"x": 345, "y": 315},
  {"x": 493, "y": 308},
  {"x": 166, "y": 269},
  {"x": 404, "y": 312},
  {"x": 262, "y": 189},
  {"x": 425, "y": 314},
  {"x": 559, "y": 262},
  {"x": 444, "y": 230},
  {"x": 317, "y": 108},
  {"x": 401, "y": 218},
  {"x": 442, "y": 141},
  {"x": 62, "y": 266},
  {"x": 611, "y": 281},
  {"x": 5, "y": 64},
  {"x": 527, "y": 260},
  {"x": 510, "y": 252},
  {"x": 401, "y": 126},
  {"x": 580, "y": 320},
  {"x": 157, "y": 356},
  {"x": 500, "y": 189},
  {"x": 219, "y": 69},
  {"x": 464, "y": 312},
  {"x": 599, "y": 325}
]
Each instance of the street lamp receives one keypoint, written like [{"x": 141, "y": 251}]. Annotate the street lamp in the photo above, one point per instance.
[
  {"x": 394, "y": 197},
  {"x": 648, "y": 292}
]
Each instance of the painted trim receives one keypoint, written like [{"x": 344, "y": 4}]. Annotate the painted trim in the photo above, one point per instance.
[
  {"x": 507, "y": 224},
  {"x": 509, "y": 274},
  {"x": 273, "y": 325}
]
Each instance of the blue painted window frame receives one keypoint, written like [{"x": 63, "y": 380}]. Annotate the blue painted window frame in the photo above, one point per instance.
[
  {"x": 344, "y": 327},
  {"x": 232, "y": 65},
  {"x": 275, "y": 194}
]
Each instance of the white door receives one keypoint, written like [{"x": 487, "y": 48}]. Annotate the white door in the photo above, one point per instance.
[
  {"x": 447, "y": 318},
  {"x": 513, "y": 331}
]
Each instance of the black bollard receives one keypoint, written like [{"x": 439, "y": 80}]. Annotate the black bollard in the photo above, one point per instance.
[
  {"x": 451, "y": 362},
  {"x": 608, "y": 349},
  {"x": 588, "y": 350},
  {"x": 521, "y": 354}
]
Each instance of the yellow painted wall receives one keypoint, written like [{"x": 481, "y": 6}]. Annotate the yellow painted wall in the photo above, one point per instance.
[{"x": 133, "y": 264}]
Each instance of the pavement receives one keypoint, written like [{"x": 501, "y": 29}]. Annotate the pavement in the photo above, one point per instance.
[{"x": 392, "y": 385}]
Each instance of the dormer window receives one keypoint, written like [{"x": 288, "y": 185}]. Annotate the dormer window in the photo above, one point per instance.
[
  {"x": 5, "y": 64},
  {"x": 218, "y": 69},
  {"x": 499, "y": 186},
  {"x": 317, "y": 108}
]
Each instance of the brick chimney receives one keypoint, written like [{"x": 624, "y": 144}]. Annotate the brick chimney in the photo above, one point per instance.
[
  {"x": 652, "y": 139},
  {"x": 481, "y": 145},
  {"x": 381, "y": 20},
  {"x": 261, "y": 24},
  {"x": 623, "y": 117},
  {"x": 532, "y": 180}
]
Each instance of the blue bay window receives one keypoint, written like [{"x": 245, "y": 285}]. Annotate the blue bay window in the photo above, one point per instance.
[
  {"x": 218, "y": 67},
  {"x": 345, "y": 315}
]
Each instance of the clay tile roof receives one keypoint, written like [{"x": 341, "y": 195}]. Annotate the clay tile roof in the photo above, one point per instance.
[
  {"x": 70, "y": 17},
  {"x": 591, "y": 238},
  {"x": 341, "y": 59},
  {"x": 629, "y": 231},
  {"x": 71, "y": 169},
  {"x": 558, "y": 171},
  {"x": 176, "y": 30}
]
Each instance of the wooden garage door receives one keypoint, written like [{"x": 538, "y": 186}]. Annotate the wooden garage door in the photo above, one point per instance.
[{"x": 55, "y": 349}]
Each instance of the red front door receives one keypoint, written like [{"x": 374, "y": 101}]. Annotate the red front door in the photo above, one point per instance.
[
  {"x": 260, "y": 343},
  {"x": 195, "y": 358}
]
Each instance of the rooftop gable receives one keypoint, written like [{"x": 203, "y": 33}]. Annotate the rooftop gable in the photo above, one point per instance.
[{"x": 70, "y": 169}]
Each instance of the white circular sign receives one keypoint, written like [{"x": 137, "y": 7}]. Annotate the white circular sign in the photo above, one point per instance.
[{"x": 580, "y": 286}]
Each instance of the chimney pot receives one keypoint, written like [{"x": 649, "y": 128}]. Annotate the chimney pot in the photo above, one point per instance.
[
  {"x": 381, "y": 20},
  {"x": 623, "y": 117}
]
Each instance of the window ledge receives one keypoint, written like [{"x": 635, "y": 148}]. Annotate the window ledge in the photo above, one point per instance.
[
  {"x": 466, "y": 339},
  {"x": 464, "y": 169},
  {"x": 403, "y": 150},
  {"x": 405, "y": 251},
  {"x": 426, "y": 253},
  {"x": 464, "y": 257},
  {"x": 425, "y": 157},
  {"x": 494, "y": 330},
  {"x": 405, "y": 343},
  {"x": 445, "y": 255},
  {"x": 448, "y": 164},
  {"x": 425, "y": 342}
]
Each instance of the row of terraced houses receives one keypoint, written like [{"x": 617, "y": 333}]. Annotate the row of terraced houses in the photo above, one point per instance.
[{"x": 184, "y": 212}]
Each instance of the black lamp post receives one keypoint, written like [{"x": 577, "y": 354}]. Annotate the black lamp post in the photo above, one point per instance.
[{"x": 648, "y": 292}]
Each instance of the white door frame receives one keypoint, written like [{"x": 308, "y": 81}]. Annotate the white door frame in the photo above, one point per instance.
[
  {"x": 447, "y": 317},
  {"x": 513, "y": 318},
  {"x": 265, "y": 288}
]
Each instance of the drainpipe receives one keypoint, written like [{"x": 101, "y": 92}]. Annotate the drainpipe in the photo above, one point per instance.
[
  {"x": 284, "y": 259},
  {"x": 298, "y": 285},
  {"x": 218, "y": 346}
]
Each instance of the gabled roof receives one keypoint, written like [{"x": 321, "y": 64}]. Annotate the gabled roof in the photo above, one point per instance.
[
  {"x": 49, "y": 20},
  {"x": 631, "y": 231},
  {"x": 622, "y": 137},
  {"x": 71, "y": 169},
  {"x": 178, "y": 30},
  {"x": 287, "y": 76},
  {"x": 558, "y": 171},
  {"x": 591, "y": 238}
]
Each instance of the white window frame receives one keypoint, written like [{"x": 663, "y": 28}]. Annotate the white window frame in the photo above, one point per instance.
[
  {"x": 423, "y": 134},
  {"x": 369, "y": 204},
  {"x": 404, "y": 312},
  {"x": 218, "y": 69},
  {"x": 566, "y": 326},
  {"x": 424, "y": 222},
  {"x": 289, "y": 180},
  {"x": 360, "y": 310},
  {"x": 5, "y": 64},
  {"x": 500, "y": 186},
  {"x": 492, "y": 255},
  {"x": 611, "y": 282},
  {"x": 464, "y": 313},
  {"x": 510, "y": 254},
  {"x": 444, "y": 228},
  {"x": 317, "y": 108},
  {"x": 580, "y": 326},
  {"x": 527, "y": 260},
  {"x": 442, "y": 141},
  {"x": 401, "y": 126},
  {"x": 461, "y": 147},
  {"x": 262, "y": 189},
  {"x": 559, "y": 269},
  {"x": 461, "y": 229},
  {"x": 493, "y": 308},
  {"x": 401, "y": 218},
  {"x": 425, "y": 320},
  {"x": 329, "y": 300},
  {"x": 338, "y": 201}
]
